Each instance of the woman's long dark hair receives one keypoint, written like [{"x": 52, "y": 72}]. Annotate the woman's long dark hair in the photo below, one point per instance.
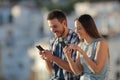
[{"x": 89, "y": 25}]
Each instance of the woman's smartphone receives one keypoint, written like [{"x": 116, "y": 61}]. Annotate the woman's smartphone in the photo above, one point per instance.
[
  {"x": 40, "y": 48},
  {"x": 63, "y": 44}
]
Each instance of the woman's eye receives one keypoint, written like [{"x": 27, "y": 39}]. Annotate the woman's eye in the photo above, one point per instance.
[{"x": 78, "y": 28}]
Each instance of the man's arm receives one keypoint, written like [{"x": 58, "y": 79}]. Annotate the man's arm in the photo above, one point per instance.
[
  {"x": 61, "y": 63},
  {"x": 51, "y": 58},
  {"x": 47, "y": 63},
  {"x": 49, "y": 67}
]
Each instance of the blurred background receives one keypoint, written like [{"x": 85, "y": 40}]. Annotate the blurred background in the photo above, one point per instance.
[{"x": 23, "y": 25}]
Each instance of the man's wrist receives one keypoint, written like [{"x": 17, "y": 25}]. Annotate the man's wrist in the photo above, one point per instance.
[{"x": 53, "y": 58}]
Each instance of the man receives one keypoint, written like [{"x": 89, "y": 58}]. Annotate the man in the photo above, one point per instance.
[{"x": 55, "y": 59}]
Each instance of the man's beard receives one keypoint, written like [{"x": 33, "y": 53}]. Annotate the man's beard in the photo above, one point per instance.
[{"x": 61, "y": 33}]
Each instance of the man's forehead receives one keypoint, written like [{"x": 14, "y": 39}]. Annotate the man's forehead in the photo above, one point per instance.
[
  {"x": 53, "y": 22},
  {"x": 55, "y": 19}
]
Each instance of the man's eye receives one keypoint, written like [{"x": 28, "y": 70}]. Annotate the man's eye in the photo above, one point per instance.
[{"x": 55, "y": 26}]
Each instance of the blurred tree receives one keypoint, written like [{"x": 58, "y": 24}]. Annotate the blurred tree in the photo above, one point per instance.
[
  {"x": 14, "y": 1},
  {"x": 65, "y": 5}
]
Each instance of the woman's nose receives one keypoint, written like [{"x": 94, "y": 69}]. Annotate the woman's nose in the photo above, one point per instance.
[{"x": 76, "y": 30}]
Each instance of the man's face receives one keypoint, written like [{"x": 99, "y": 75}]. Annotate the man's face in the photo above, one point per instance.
[{"x": 56, "y": 27}]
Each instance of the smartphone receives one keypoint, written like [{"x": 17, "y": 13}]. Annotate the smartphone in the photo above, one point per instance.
[
  {"x": 63, "y": 44},
  {"x": 40, "y": 48}
]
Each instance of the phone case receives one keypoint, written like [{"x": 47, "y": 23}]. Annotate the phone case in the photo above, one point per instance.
[
  {"x": 63, "y": 44},
  {"x": 40, "y": 48}
]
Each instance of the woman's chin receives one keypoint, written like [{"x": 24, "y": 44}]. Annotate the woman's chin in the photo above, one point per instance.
[{"x": 80, "y": 37}]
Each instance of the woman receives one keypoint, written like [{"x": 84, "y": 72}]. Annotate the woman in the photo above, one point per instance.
[{"x": 92, "y": 59}]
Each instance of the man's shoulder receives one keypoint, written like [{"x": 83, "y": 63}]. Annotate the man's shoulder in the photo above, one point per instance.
[
  {"x": 72, "y": 32},
  {"x": 72, "y": 37},
  {"x": 52, "y": 39}
]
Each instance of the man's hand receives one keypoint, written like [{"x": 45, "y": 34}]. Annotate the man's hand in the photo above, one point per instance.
[
  {"x": 46, "y": 55},
  {"x": 42, "y": 54}
]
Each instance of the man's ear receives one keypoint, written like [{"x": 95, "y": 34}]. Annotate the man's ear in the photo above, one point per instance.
[{"x": 65, "y": 22}]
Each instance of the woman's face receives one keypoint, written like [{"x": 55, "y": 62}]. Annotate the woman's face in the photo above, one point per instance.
[{"x": 80, "y": 30}]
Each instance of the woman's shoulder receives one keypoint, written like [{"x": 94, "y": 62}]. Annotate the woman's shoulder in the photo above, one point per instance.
[{"x": 102, "y": 41}]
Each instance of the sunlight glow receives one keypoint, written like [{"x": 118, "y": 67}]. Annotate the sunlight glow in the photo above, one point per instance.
[{"x": 16, "y": 11}]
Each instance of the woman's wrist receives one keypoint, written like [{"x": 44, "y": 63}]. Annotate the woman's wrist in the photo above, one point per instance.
[
  {"x": 68, "y": 57},
  {"x": 77, "y": 48}
]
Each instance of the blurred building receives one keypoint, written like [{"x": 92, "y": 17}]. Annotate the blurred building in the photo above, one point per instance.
[
  {"x": 17, "y": 35},
  {"x": 106, "y": 15}
]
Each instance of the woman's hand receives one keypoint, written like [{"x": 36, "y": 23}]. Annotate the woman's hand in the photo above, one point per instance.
[
  {"x": 67, "y": 51},
  {"x": 74, "y": 47}
]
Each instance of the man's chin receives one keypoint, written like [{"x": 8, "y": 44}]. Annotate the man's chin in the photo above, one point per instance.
[{"x": 58, "y": 36}]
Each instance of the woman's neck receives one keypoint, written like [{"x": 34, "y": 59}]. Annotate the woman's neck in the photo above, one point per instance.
[{"x": 88, "y": 40}]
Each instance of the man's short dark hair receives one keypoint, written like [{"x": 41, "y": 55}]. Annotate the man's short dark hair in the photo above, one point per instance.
[{"x": 58, "y": 14}]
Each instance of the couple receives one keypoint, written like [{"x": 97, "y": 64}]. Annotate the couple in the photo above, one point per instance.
[{"x": 86, "y": 56}]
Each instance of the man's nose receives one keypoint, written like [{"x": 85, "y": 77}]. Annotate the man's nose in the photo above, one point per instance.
[{"x": 53, "y": 29}]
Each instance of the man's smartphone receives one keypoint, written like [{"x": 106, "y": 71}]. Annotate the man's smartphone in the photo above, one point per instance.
[
  {"x": 40, "y": 48},
  {"x": 63, "y": 44}
]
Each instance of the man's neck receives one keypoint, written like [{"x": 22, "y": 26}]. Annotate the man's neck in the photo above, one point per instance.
[{"x": 65, "y": 33}]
